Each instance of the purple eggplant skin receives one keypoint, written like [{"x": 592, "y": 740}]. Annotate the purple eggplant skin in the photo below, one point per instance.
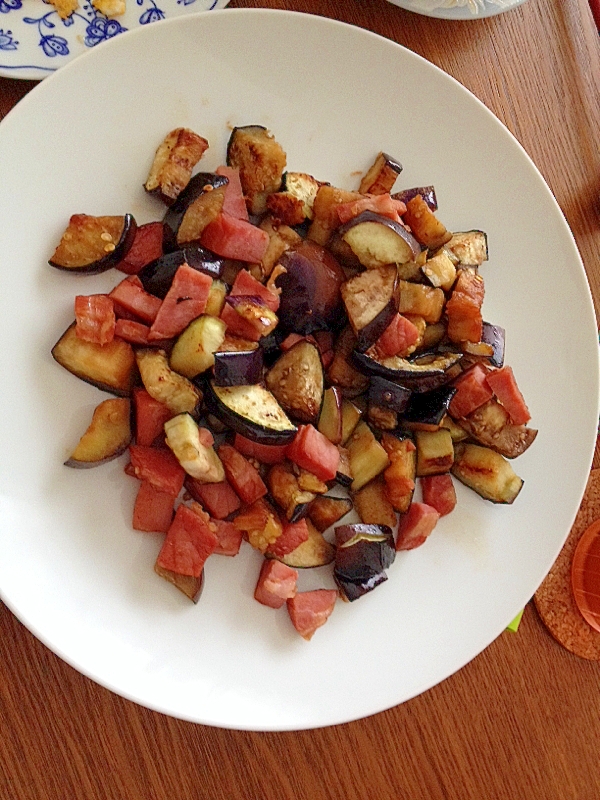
[
  {"x": 236, "y": 368},
  {"x": 494, "y": 335},
  {"x": 390, "y": 395},
  {"x": 111, "y": 259},
  {"x": 406, "y": 375},
  {"x": 270, "y": 346},
  {"x": 156, "y": 277},
  {"x": 365, "y": 247},
  {"x": 310, "y": 290},
  {"x": 363, "y": 553},
  {"x": 367, "y": 336},
  {"x": 429, "y": 408},
  {"x": 426, "y": 192},
  {"x": 192, "y": 191}
]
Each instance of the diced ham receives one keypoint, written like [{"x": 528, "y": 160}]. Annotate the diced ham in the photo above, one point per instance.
[
  {"x": 185, "y": 300},
  {"x": 276, "y": 583},
  {"x": 95, "y": 318},
  {"x": 415, "y": 526},
  {"x": 131, "y": 295},
  {"x": 219, "y": 499},
  {"x": 147, "y": 246},
  {"x": 229, "y": 538},
  {"x": 153, "y": 509},
  {"x": 235, "y": 238},
  {"x": 293, "y": 535},
  {"x": 190, "y": 540},
  {"x": 502, "y": 382},
  {"x": 439, "y": 493},
  {"x": 310, "y": 610},
  {"x": 242, "y": 475},
  {"x": 472, "y": 391},
  {"x": 159, "y": 467},
  {"x": 246, "y": 284},
  {"x": 132, "y": 331},
  {"x": 314, "y": 452},
  {"x": 463, "y": 309},
  {"x": 382, "y": 204},
  {"x": 265, "y": 453},
  {"x": 234, "y": 203},
  {"x": 150, "y": 417},
  {"x": 398, "y": 338}
]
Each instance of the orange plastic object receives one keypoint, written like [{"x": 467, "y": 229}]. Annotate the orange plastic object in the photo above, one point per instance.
[{"x": 585, "y": 575}]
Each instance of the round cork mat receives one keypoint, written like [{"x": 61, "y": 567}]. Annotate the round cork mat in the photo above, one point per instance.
[{"x": 554, "y": 599}]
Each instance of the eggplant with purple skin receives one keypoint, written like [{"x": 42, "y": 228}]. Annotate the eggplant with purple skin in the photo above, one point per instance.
[
  {"x": 197, "y": 187},
  {"x": 91, "y": 245},
  {"x": 310, "y": 290},
  {"x": 287, "y": 493},
  {"x": 107, "y": 436},
  {"x": 330, "y": 418},
  {"x": 376, "y": 240},
  {"x": 387, "y": 394},
  {"x": 173, "y": 162},
  {"x": 255, "y": 312},
  {"x": 426, "y": 192},
  {"x": 426, "y": 410},
  {"x": 494, "y": 335},
  {"x": 371, "y": 301},
  {"x": 381, "y": 176},
  {"x": 421, "y": 374},
  {"x": 188, "y": 584},
  {"x": 194, "y": 349},
  {"x": 363, "y": 554},
  {"x": 297, "y": 383},
  {"x": 156, "y": 277},
  {"x": 238, "y": 367}
]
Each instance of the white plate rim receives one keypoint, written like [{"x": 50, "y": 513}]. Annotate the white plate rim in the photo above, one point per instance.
[{"x": 459, "y": 13}]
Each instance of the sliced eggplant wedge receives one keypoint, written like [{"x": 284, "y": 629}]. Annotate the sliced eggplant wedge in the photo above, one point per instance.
[
  {"x": 426, "y": 192},
  {"x": 440, "y": 271},
  {"x": 94, "y": 244},
  {"x": 253, "y": 310},
  {"x": 330, "y": 418},
  {"x": 190, "y": 586},
  {"x": 401, "y": 474},
  {"x": 156, "y": 277},
  {"x": 281, "y": 238},
  {"x": 261, "y": 161},
  {"x": 164, "y": 384},
  {"x": 199, "y": 185},
  {"x": 287, "y": 493},
  {"x": 251, "y": 411},
  {"x": 199, "y": 214},
  {"x": 371, "y": 300},
  {"x": 111, "y": 367},
  {"x": 426, "y": 410},
  {"x": 469, "y": 248},
  {"x": 293, "y": 205},
  {"x": 486, "y": 472},
  {"x": 419, "y": 300},
  {"x": 490, "y": 425},
  {"x": 389, "y": 395},
  {"x": 342, "y": 372},
  {"x": 381, "y": 175},
  {"x": 376, "y": 240},
  {"x": 316, "y": 551},
  {"x": 426, "y": 227},
  {"x": 194, "y": 350},
  {"x": 421, "y": 374},
  {"x": 325, "y": 511},
  {"x": 238, "y": 367},
  {"x": 182, "y": 436},
  {"x": 175, "y": 158},
  {"x": 435, "y": 452},
  {"x": 297, "y": 383},
  {"x": 373, "y": 506},
  {"x": 344, "y": 476},
  {"x": 107, "y": 436},
  {"x": 367, "y": 457},
  {"x": 363, "y": 554},
  {"x": 495, "y": 336},
  {"x": 351, "y": 415}
]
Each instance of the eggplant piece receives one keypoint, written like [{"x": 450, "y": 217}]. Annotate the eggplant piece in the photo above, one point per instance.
[
  {"x": 426, "y": 227},
  {"x": 426, "y": 192},
  {"x": 363, "y": 554},
  {"x": 486, "y": 472},
  {"x": 251, "y": 411},
  {"x": 174, "y": 160},
  {"x": 293, "y": 204},
  {"x": 495, "y": 336},
  {"x": 325, "y": 511},
  {"x": 238, "y": 367},
  {"x": 469, "y": 248},
  {"x": 310, "y": 289},
  {"x": 281, "y": 238},
  {"x": 215, "y": 301},
  {"x": 197, "y": 187},
  {"x": 377, "y": 241},
  {"x": 253, "y": 310},
  {"x": 182, "y": 436},
  {"x": 389, "y": 395},
  {"x": 490, "y": 425},
  {"x": 367, "y": 457},
  {"x": 297, "y": 383},
  {"x": 330, "y": 418},
  {"x": 164, "y": 384},
  {"x": 383, "y": 419},
  {"x": 381, "y": 175},
  {"x": 435, "y": 452},
  {"x": 261, "y": 162},
  {"x": 316, "y": 551},
  {"x": 457, "y": 432},
  {"x": 111, "y": 367},
  {"x": 91, "y": 245},
  {"x": 440, "y": 271},
  {"x": 344, "y": 476},
  {"x": 351, "y": 415},
  {"x": 401, "y": 475},
  {"x": 156, "y": 277},
  {"x": 287, "y": 493},
  {"x": 199, "y": 214},
  {"x": 426, "y": 410},
  {"x": 194, "y": 349},
  {"x": 421, "y": 374},
  {"x": 107, "y": 436},
  {"x": 417, "y": 299},
  {"x": 373, "y": 506},
  {"x": 190, "y": 586},
  {"x": 371, "y": 300},
  {"x": 341, "y": 371}
]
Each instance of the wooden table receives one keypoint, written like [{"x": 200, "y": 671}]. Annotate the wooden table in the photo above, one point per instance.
[{"x": 522, "y": 720}]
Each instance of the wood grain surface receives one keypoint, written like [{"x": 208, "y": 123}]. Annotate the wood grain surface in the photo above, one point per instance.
[{"x": 522, "y": 720}]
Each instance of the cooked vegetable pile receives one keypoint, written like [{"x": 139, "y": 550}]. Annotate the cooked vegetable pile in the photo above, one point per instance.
[{"x": 283, "y": 352}]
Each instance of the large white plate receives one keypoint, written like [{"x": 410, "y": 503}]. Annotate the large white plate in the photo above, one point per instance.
[
  {"x": 430, "y": 8},
  {"x": 35, "y": 41},
  {"x": 73, "y": 570}
]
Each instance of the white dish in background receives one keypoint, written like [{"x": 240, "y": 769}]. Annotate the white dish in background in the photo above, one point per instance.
[
  {"x": 35, "y": 42},
  {"x": 73, "y": 570},
  {"x": 485, "y": 8}
]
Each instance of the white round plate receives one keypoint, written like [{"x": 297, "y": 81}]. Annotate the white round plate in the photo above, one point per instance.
[
  {"x": 483, "y": 9},
  {"x": 72, "y": 568},
  {"x": 35, "y": 41}
]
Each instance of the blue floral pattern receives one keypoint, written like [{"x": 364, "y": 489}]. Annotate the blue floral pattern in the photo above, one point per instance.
[{"x": 46, "y": 42}]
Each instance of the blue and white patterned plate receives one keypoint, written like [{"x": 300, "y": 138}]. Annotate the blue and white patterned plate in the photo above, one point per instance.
[{"x": 34, "y": 41}]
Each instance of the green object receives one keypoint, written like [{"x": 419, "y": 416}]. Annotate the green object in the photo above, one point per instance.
[{"x": 514, "y": 625}]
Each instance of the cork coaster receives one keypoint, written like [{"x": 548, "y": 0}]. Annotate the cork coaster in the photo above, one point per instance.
[{"x": 554, "y": 598}]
